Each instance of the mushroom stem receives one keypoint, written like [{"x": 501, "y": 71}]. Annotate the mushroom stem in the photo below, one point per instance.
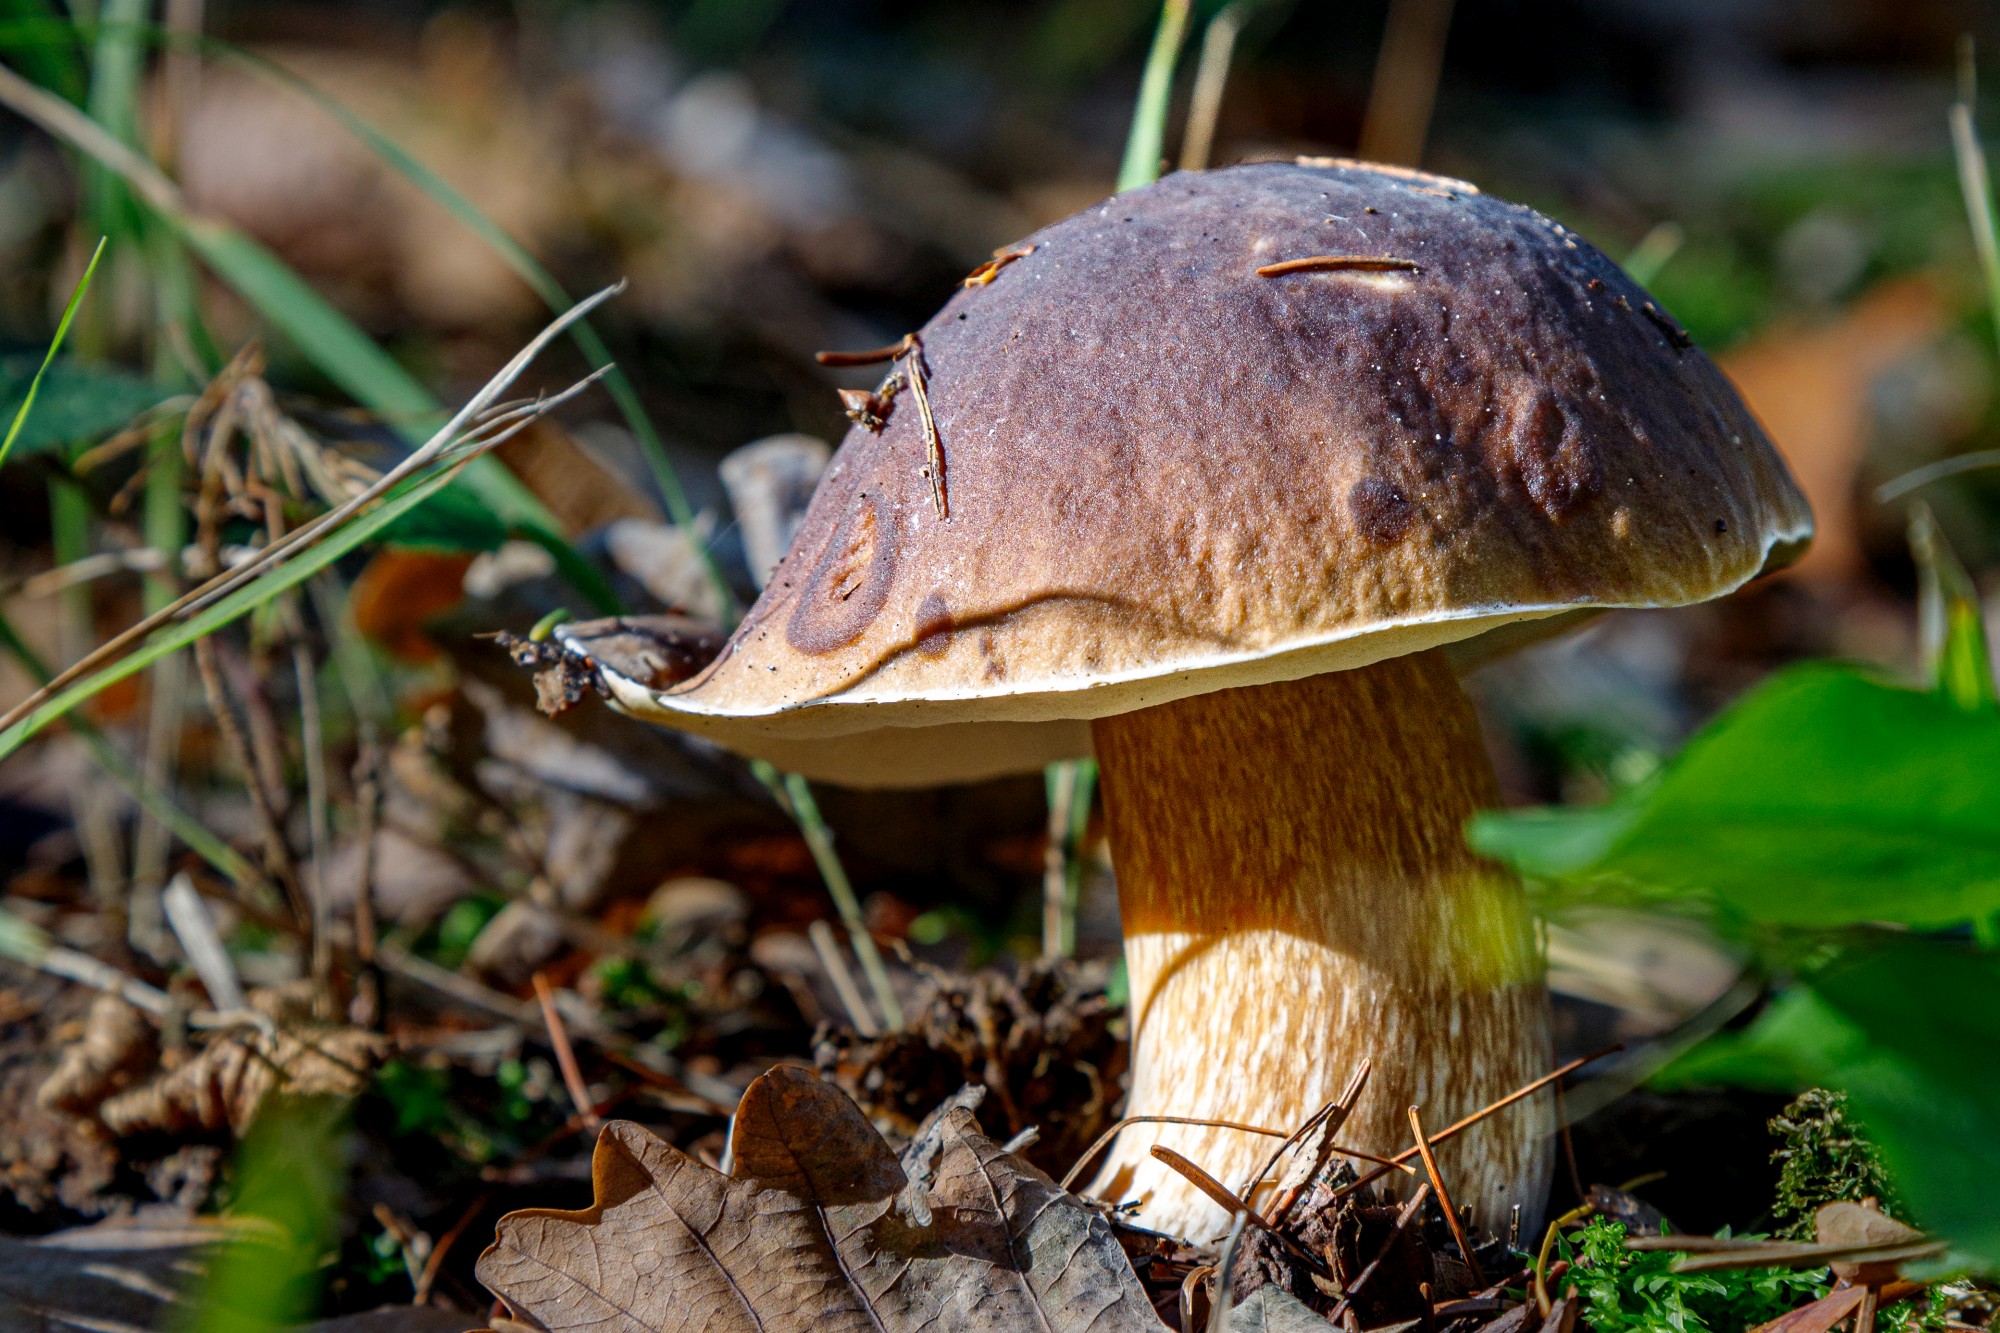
[{"x": 1297, "y": 895}]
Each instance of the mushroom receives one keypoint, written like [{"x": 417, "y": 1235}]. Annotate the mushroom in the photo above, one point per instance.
[{"x": 1235, "y": 523}]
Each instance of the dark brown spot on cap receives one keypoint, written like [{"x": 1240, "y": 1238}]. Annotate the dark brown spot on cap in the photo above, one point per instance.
[
  {"x": 934, "y": 625},
  {"x": 1381, "y": 512}
]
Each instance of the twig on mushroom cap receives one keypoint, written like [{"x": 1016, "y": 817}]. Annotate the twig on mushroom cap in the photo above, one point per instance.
[
  {"x": 990, "y": 270},
  {"x": 1090, "y": 1153},
  {"x": 910, "y": 351},
  {"x": 1351, "y": 263},
  {"x": 1403, "y": 1220},
  {"x": 933, "y": 470},
  {"x": 1451, "y": 1216}
]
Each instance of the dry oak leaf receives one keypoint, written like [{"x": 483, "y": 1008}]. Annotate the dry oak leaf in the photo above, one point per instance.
[
  {"x": 817, "y": 1230},
  {"x": 227, "y": 1083}
]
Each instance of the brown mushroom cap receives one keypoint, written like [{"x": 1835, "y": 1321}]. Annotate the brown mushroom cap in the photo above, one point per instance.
[{"x": 1167, "y": 474}]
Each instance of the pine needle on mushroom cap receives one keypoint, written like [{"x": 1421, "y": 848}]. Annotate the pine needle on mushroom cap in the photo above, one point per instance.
[{"x": 1170, "y": 475}]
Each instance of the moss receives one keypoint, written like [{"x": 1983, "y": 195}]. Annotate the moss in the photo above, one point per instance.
[{"x": 1825, "y": 1157}]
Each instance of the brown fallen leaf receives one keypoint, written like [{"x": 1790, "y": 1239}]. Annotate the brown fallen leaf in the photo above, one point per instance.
[
  {"x": 1817, "y": 1316},
  {"x": 116, "y": 1044},
  {"x": 227, "y": 1083},
  {"x": 817, "y": 1229}
]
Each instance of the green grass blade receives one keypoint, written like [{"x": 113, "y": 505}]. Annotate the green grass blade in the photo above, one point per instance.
[
  {"x": 55, "y": 345},
  {"x": 1147, "y": 140}
]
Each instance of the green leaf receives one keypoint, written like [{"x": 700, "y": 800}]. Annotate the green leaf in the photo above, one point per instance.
[
  {"x": 1908, "y": 1030},
  {"x": 1825, "y": 798},
  {"x": 32, "y": 389},
  {"x": 453, "y": 521},
  {"x": 75, "y": 402}
]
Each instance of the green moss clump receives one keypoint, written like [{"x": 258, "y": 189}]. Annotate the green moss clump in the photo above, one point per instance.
[{"x": 1825, "y": 1158}]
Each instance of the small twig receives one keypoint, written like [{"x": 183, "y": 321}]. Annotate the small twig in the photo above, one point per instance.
[
  {"x": 1451, "y": 1216},
  {"x": 434, "y": 1261},
  {"x": 828, "y": 949},
  {"x": 933, "y": 445},
  {"x": 1090, "y": 1153},
  {"x": 368, "y": 1008},
  {"x": 874, "y": 356},
  {"x": 565, "y": 1054},
  {"x": 910, "y": 351},
  {"x": 1334, "y": 1116},
  {"x": 1219, "y": 1194},
  {"x": 1348, "y": 263},
  {"x": 1361, "y": 1279},
  {"x": 1468, "y": 1122}
]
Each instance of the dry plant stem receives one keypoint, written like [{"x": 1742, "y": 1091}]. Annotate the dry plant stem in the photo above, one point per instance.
[
  {"x": 1451, "y": 1216},
  {"x": 1297, "y": 895},
  {"x": 1211, "y": 76},
  {"x": 1230, "y": 1203},
  {"x": 565, "y": 1053},
  {"x": 1460, "y": 1126},
  {"x": 1334, "y": 1114},
  {"x": 277, "y": 852},
  {"x": 819, "y": 840},
  {"x": 367, "y": 1009},
  {"x": 1090, "y": 1153},
  {"x": 1056, "y": 910},
  {"x": 828, "y": 948}
]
